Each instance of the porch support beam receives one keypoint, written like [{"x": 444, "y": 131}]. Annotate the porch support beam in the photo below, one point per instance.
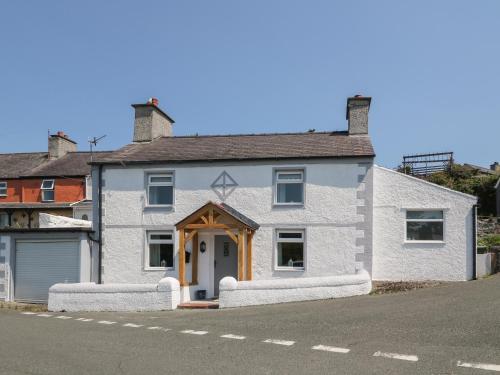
[
  {"x": 211, "y": 226},
  {"x": 194, "y": 266},
  {"x": 182, "y": 258},
  {"x": 231, "y": 235},
  {"x": 249, "y": 255},
  {"x": 191, "y": 235},
  {"x": 240, "y": 255}
]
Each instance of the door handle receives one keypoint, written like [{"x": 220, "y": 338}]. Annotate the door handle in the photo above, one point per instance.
[{"x": 215, "y": 263}]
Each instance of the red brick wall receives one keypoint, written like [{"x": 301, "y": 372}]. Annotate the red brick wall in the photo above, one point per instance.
[{"x": 28, "y": 190}]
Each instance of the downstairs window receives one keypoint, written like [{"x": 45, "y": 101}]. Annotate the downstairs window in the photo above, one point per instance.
[
  {"x": 290, "y": 249},
  {"x": 424, "y": 225},
  {"x": 160, "y": 250}
]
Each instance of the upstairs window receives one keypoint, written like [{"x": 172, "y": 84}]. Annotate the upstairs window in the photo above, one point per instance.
[
  {"x": 289, "y": 187},
  {"x": 425, "y": 225},
  {"x": 47, "y": 190},
  {"x": 3, "y": 189},
  {"x": 161, "y": 189},
  {"x": 160, "y": 252},
  {"x": 290, "y": 249}
]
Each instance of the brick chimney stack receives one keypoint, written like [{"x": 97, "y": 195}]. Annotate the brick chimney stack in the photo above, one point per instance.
[
  {"x": 151, "y": 122},
  {"x": 357, "y": 114}
]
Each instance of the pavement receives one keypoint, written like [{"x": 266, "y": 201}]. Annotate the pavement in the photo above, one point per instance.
[{"x": 451, "y": 329}]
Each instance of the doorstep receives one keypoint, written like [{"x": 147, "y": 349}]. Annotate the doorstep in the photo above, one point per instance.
[{"x": 199, "y": 305}]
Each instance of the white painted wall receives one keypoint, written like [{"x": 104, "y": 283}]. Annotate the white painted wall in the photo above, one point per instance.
[
  {"x": 262, "y": 292},
  {"x": 393, "y": 258},
  {"x": 330, "y": 216},
  {"x": 115, "y": 297}
]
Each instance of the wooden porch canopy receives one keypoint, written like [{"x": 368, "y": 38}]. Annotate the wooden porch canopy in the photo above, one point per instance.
[{"x": 220, "y": 217}]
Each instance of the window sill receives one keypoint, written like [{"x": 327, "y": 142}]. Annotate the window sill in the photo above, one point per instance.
[
  {"x": 289, "y": 269},
  {"x": 159, "y": 269},
  {"x": 153, "y": 206},
  {"x": 424, "y": 242},
  {"x": 288, "y": 204}
]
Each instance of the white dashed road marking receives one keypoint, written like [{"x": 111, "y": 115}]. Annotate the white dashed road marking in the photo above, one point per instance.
[
  {"x": 28, "y": 313},
  {"x": 84, "y": 319},
  {"x": 332, "y": 349},
  {"x": 192, "y": 332},
  {"x": 235, "y": 337},
  {"x": 279, "y": 342},
  {"x": 481, "y": 366},
  {"x": 105, "y": 322},
  {"x": 45, "y": 315},
  {"x": 63, "y": 317},
  {"x": 131, "y": 325},
  {"x": 404, "y": 357},
  {"x": 156, "y": 328}
]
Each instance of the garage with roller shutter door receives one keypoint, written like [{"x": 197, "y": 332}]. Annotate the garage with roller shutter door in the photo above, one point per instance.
[
  {"x": 40, "y": 264},
  {"x": 39, "y": 258}
]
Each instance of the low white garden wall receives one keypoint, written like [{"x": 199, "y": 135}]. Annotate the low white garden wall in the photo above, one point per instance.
[
  {"x": 484, "y": 266},
  {"x": 233, "y": 293},
  {"x": 115, "y": 297}
]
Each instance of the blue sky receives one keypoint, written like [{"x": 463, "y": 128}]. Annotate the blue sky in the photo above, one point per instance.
[{"x": 432, "y": 68}]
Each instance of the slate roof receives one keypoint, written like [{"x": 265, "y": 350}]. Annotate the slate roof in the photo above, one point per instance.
[
  {"x": 37, "y": 164},
  {"x": 239, "y": 216},
  {"x": 242, "y": 147},
  {"x": 71, "y": 164},
  {"x": 15, "y": 165}
]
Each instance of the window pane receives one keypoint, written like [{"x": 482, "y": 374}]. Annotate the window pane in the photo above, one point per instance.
[
  {"x": 3, "y": 188},
  {"x": 161, "y": 236},
  {"x": 47, "y": 184},
  {"x": 424, "y": 231},
  {"x": 290, "y": 254},
  {"x": 160, "y": 179},
  {"x": 290, "y": 176},
  {"x": 424, "y": 215},
  {"x": 161, "y": 255},
  {"x": 47, "y": 195},
  {"x": 290, "y": 193},
  {"x": 290, "y": 235},
  {"x": 161, "y": 194}
]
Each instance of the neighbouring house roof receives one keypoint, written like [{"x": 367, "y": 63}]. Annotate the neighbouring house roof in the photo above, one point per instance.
[
  {"x": 38, "y": 164},
  {"x": 242, "y": 147},
  {"x": 480, "y": 169},
  {"x": 71, "y": 164},
  {"x": 15, "y": 165}
]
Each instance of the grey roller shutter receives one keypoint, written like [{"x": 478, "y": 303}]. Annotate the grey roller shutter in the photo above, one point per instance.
[{"x": 39, "y": 265}]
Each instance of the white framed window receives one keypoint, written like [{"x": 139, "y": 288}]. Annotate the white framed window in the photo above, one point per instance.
[
  {"x": 47, "y": 188},
  {"x": 424, "y": 226},
  {"x": 161, "y": 189},
  {"x": 160, "y": 250},
  {"x": 3, "y": 189},
  {"x": 289, "y": 187},
  {"x": 290, "y": 251}
]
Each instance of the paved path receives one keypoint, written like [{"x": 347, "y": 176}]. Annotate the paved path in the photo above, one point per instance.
[{"x": 444, "y": 330}]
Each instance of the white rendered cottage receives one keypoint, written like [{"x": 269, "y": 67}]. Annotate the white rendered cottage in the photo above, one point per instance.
[{"x": 285, "y": 216}]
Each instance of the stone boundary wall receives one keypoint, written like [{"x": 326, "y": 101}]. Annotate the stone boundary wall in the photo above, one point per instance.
[
  {"x": 115, "y": 297},
  {"x": 235, "y": 293}
]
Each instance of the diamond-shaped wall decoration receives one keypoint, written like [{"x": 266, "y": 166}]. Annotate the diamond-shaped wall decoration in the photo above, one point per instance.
[{"x": 224, "y": 185}]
